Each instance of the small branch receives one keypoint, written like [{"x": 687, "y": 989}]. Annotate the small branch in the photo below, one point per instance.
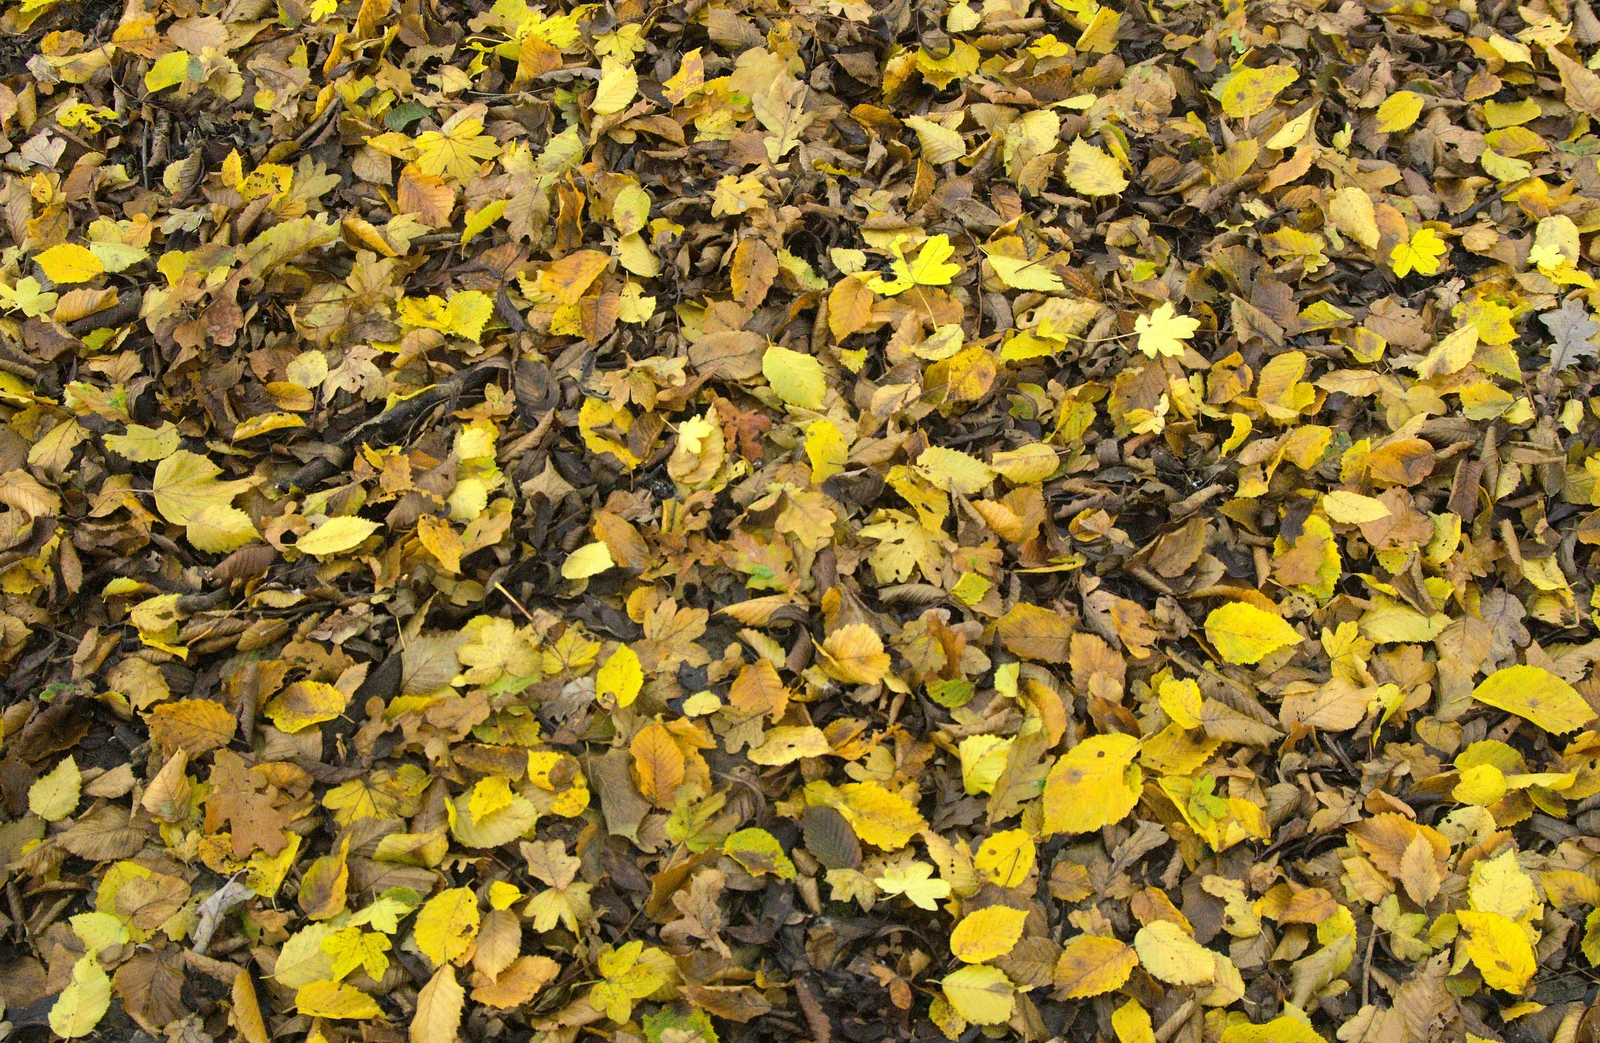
[{"x": 389, "y": 423}]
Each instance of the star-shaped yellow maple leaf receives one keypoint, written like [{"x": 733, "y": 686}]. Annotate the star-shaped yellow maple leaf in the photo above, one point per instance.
[
  {"x": 1420, "y": 254},
  {"x": 916, "y": 882},
  {"x": 929, "y": 269},
  {"x": 1163, "y": 332},
  {"x": 456, "y": 148}
]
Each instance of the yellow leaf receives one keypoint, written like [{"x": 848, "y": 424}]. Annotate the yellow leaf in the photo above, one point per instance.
[
  {"x": 947, "y": 468},
  {"x": 1285, "y": 1028},
  {"x": 1026, "y": 465},
  {"x": 1480, "y": 784},
  {"x": 1293, "y": 132},
  {"x": 1399, "y": 111},
  {"x": 1499, "y": 948},
  {"x": 1250, "y": 92},
  {"x": 1163, "y": 332},
  {"x": 1537, "y": 694},
  {"x": 336, "y": 535},
  {"x": 1243, "y": 633},
  {"x": 962, "y": 60},
  {"x": 826, "y": 448},
  {"x": 568, "y": 278},
  {"x": 939, "y": 143},
  {"x": 883, "y": 819},
  {"x": 463, "y": 315},
  {"x": 335, "y": 1000},
  {"x": 916, "y": 881},
  {"x": 193, "y": 725},
  {"x": 1499, "y": 885},
  {"x": 447, "y": 924},
  {"x": 1131, "y": 1023},
  {"x": 69, "y": 263},
  {"x": 759, "y": 852},
  {"x": 438, "y": 1013},
  {"x": 168, "y": 71},
  {"x": 931, "y": 268},
  {"x": 325, "y": 884},
  {"x": 351, "y": 947},
  {"x": 1091, "y": 172},
  {"x": 142, "y": 444},
  {"x": 982, "y": 995},
  {"x": 185, "y": 482},
  {"x": 618, "y": 86},
  {"x": 854, "y": 654},
  {"x": 1348, "y": 508},
  {"x": 1009, "y": 260},
  {"x": 849, "y": 307},
  {"x": 305, "y": 703},
  {"x": 518, "y": 983},
  {"x": 630, "y": 209},
  {"x": 620, "y": 676},
  {"x": 1180, "y": 700},
  {"x": 759, "y": 690},
  {"x": 1006, "y": 858},
  {"x": 1092, "y": 964},
  {"x": 265, "y": 424},
  {"x": 55, "y": 796},
  {"x": 789, "y": 743},
  {"x": 691, "y": 75},
  {"x": 631, "y": 972},
  {"x": 302, "y": 960},
  {"x": 795, "y": 376},
  {"x": 245, "y": 1015},
  {"x": 1035, "y": 633},
  {"x": 496, "y": 828},
  {"x": 457, "y": 147},
  {"x": 1420, "y": 254},
  {"x": 481, "y": 220},
  {"x": 1352, "y": 213},
  {"x": 441, "y": 540},
  {"x": 81, "y": 1005},
  {"x": 489, "y": 795},
  {"x": 1095, "y": 784},
  {"x": 219, "y": 529},
  {"x": 588, "y": 560},
  {"x": 1169, "y": 953},
  {"x": 987, "y": 934}
]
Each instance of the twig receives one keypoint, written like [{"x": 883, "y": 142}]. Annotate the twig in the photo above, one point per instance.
[
  {"x": 125, "y": 310},
  {"x": 1476, "y": 208},
  {"x": 520, "y": 606},
  {"x": 321, "y": 123},
  {"x": 390, "y": 422}
]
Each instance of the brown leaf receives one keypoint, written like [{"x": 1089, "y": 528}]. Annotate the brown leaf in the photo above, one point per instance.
[
  {"x": 195, "y": 726},
  {"x": 658, "y": 764}
]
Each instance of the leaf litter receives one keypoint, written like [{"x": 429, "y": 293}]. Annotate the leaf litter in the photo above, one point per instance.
[{"x": 801, "y": 520}]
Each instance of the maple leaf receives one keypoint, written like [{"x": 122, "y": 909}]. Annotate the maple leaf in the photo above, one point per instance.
[
  {"x": 1164, "y": 332},
  {"x": 631, "y": 972},
  {"x": 1421, "y": 253},
  {"x": 930, "y": 268},
  {"x": 245, "y": 801},
  {"x": 457, "y": 147},
  {"x": 915, "y": 881},
  {"x": 1573, "y": 330},
  {"x": 352, "y": 947},
  {"x": 186, "y": 483}
]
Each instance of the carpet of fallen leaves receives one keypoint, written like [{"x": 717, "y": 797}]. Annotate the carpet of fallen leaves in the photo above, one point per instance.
[{"x": 773, "y": 520}]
